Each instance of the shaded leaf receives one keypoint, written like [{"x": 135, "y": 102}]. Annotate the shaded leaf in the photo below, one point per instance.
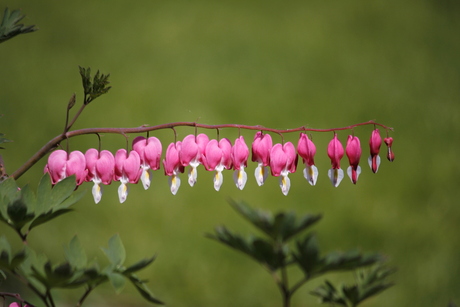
[
  {"x": 10, "y": 26},
  {"x": 139, "y": 265},
  {"x": 117, "y": 280},
  {"x": 75, "y": 254},
  {"x": 45, "y": 217},
  {"x": 43, "y": 194},
  {"x": 116, "y": 251},
  {"x": 282, "y": 227},
  {"x": 144, "y": 291}
]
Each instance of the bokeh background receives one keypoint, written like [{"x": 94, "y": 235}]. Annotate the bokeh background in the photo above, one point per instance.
[{"x": 322, "y": 64}]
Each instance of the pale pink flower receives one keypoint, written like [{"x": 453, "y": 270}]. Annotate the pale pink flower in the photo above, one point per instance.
[
  {"x": 217, "y": 158},
  {"x": 335, "y": 152},
  {"x": 353, "y": 152},
  {"x": 149, "y": 151},
  {"x": 172, "y": 166},
  {"x": 61, "y": 165},
  {"x": 191, "y": 153},
  {"x": 307, "y": 150},
  {"x": 101, "y": 168},
  {"x": 283, "y": 160},
  {"x": 127, "y": 170},
  {"x": 261, "y": 147},
  {"x": 240, "y": 154}
]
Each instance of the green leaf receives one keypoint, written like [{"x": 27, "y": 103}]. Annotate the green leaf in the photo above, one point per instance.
[
  {"x": 117, "y": 280},
  {"x": 29, "y": 198},
  {"x": 18, "y": 258},
  {"x": 75, "y": 254},
  {"x": 282, "y": 227},
  {"x": 144, "y": 291},
  {"x": 62, "y": 190},
  {"x": 9, "y": 27},
  {"x": 308, "y": 254},
  {"x": 69, "y": 201},
  {"x": 45, "y": 217},
  {"x": 17, "y": 212},
  {"x": 43, "y": 194},
  {"x": 270, "y": 254},
  {"x": 116, "y": 251},
  {"x": 138, "y": 265},
  {"x": 5, "y": 252}
]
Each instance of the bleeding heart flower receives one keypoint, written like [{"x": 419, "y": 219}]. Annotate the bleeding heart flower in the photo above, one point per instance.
[
  {"x": 335, "y": 152},
  {"x": 374, "y": 143},
  {"x": 191, "y": 153},
  {"x": 307, "y": 150},
  {"x": 218, "y": 157},
  {"x": 261, "y": 147},
  {"x": 149, "y": 151},
  {"x": 127, "y": 170},
  {"x": 283, "y": 160},
  {"x": 101, "y": 168},
  {"x": 172, "y": 166},
  {"x": 389, "y": 142},
  {"x": 353, "y": 151},
  {"x": 240, "y": 154},
  {"x": 61, "y": 165}
]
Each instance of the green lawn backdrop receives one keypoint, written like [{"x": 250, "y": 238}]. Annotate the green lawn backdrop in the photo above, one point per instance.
[{"x": 321, "y": 64}]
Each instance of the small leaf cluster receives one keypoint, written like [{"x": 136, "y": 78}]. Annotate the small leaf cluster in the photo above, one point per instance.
[
  {"x": 96, "y": 87},
  {"x": 369, "y": 282},
  {"x": 23, "y": 210},
  {"x": 10, "y": 26},
  {"x": 274, "y": 251}
]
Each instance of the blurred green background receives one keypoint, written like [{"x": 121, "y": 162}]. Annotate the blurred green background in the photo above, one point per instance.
[{"x": 278, "y": 64}]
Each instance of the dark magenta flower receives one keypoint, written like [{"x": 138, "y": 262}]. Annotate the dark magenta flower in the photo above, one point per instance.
[
  {"x": 127, "y": 170},
  {"x": 149, "y": 151},
  {"x": 101, "y": 168},
  {"x": 240, "y": 154},
  {"x": 218, "y": 156},
  {"x": 307, "y": 150},
  {"x": 353, "y": 151},
  {"x": 261, "y": 147},
  {"x": 173, "y": 166},
  {"x": 191, "y": 153},
  {"x": 389, "y": 142},
  {"x": 374, "y": 143},
  {"x": 61, "y": 165},
  {"x": 335, "y": 152},
  {"x": 283, "y": 160}
]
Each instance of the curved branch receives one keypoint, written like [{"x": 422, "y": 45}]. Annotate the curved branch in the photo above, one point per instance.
[{"x": 55, "y": 141}]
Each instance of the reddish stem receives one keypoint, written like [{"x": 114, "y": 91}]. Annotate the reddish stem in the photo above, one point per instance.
[{"x": 55, "y": 141}]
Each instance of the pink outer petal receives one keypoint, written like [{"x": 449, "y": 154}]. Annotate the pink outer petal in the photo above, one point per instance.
[
  {"x": 76, "y": 165},
  {"x": 193, "y": 148},
  {"x": 218, "y": 153},
  {"x": 190, "y": 150},
  {"x": 261, "y": 147},
  {"x": 127, "y": 165},
  {"x": 353, "y": 151},
  {"x": 105, "y": 166},
  {"x": 283, "y": 157},
  {"x": 149, "y": 150},
  {"x": 91, "y": 157},
  {"x": 171, "y": 162},
  {"x": 374, "y": 142},
  {"x": 335, "y": 152},
  {"x": 306, "y": 149},
  {"x": 240, "y": 153},
  {"x": 56, "y": 165}
]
